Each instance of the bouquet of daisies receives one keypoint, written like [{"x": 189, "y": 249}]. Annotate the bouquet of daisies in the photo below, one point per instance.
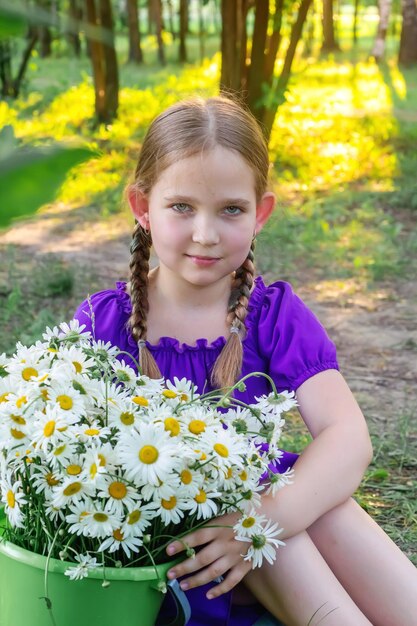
[{"x": 105, "y": 467}]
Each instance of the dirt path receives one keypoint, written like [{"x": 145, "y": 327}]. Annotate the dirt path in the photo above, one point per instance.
[{"x": 375, "y": 332}]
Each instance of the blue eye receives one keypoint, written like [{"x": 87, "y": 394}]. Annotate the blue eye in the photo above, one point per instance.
[
  {"x": 233, "y": 210},
  {"x": 181, "y": 207}
]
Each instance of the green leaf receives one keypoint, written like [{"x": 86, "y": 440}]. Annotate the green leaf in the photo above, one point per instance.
[
  {"x": 12, "y": 23},
  {"x": 31, "y": 177}
]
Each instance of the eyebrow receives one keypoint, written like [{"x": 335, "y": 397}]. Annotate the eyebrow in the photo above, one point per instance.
[{"x": 224, "y": 201}]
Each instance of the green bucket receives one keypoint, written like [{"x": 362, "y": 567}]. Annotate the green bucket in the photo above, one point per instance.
[{"x": 131, "y": 599}]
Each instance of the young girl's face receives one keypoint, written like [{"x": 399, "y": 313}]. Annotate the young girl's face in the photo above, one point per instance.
[{"x": 202, "y": 213}]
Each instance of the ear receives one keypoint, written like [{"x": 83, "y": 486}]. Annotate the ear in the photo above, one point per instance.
[
  {"x": 264, "y": 210},
  {"x": 139, "y": 206}
]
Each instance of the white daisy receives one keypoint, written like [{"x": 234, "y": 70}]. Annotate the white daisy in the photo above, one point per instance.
[
  {"x": 203, "y": 504},
  {"x": 118, "y": 493},
  {"x": 50, "y": 428},
  {"x": 44, "y": 479},
  {"x": 80, "y": 363},
  {"x": 70, "y": 401},
  {"x": 86, "y": 564},
  {"x": 101, "y": 523},
  {"x": 123, "y": 415},
  {"x": 278, "y": 481},
  {"x": 98, "y": 461},
  {"x": 78, "y": 516},
  {"x": 71, "y": 490},
  {"x": 184, "y": 389},
  {"x": 148, "y": 454},
  {"x": 172, "y": 510},
  {"x": 73, "y": 330},
  {"x": 138, "y": 518},
  {"x": 164, "y": 489},
  {"x": 276, "y": 403},
  {"x": 119, "y": 540},
  {"x": 263, "y": 544},
  {"x": 124, "y": 374},
  {"x": 13, "y": 498},
  {"x": 249, "y": 525}
]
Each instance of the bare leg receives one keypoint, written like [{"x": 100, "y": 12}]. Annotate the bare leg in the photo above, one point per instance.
[
  {"x": 373, "y": 570},
  {"x": 300, "y": 588}
]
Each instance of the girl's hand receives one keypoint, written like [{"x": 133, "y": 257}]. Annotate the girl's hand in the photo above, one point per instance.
[{"x": 221, "y": 553}]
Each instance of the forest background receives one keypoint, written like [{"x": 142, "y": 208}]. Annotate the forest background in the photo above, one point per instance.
[{"x": 334, "y": 86}]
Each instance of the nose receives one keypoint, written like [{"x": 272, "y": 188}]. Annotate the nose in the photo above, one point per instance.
[{"x": 205, "y": 231}]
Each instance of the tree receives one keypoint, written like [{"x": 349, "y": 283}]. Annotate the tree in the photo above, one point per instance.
[
  {"x": 10, "y": 87},
  {"x": 104, "y": 60},
  {"x": 183, "y": 31},
  {"x": 255, "y": 81},
  {"x": 408, "y": 41},
  {"x": 329, "y": 38},
  {"x": 378, "y": 49},
  {"x": 135, "y": 50},
  {"x": 74, "y": 18}
]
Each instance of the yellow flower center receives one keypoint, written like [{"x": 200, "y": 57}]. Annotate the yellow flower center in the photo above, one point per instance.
[
  {"x": 28, "y": 372},
  {"x": 228, "y": 473},
  {"x": 243, "y": 475},
  {"x": 127, "y": 418},
  {"x": 49, "y": 428},
  {"x": 201, "y": 497},
  {"x": 21, "y": 401},
  {"x": 11, "y": 500},
  {"x": 43, "y": 378},
  {"x": 248, "y": 522},
  {"x": 197, "y": 427},
  {"x": 4, "y": 396},
  {"x": 65, "y": 402},
  {"x": 78, "y": 367},
  {"x": 74, "y": 470},
  {"x": 169, "y": 504},
  {"x": 102, "y": 460},
  {"x": 91, "y": 432},
  {"x": 44, "y": 394},
  {"x": 51, "y": 480},
  {"x": 53, "y": 350},
  {"x": 148, "y": 454},
  {"x": 100, "y": 517},
  {"x": 186, "y": 477},
  {"x": 93, "y": 470},
  {"x": 172, "y": 425},
  {"x": 118, "y": 535},
  {"x": 169, "y": 394},
  {"x": 72, "y": 489},
  {"x": 133, "y": 517},
  {"x": 140, "y": 400},
  {"x": 17, "y": 434},
  {"x": 221, "y": 450},
  {"x": 59, "y": 450},
  {"x": 117, "y": 490},
  {"x": 184, "y": 397}
]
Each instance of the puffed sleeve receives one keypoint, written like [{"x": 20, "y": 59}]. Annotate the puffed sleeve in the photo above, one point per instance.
[
  {"x": 291, "y": 339},
  {"x": 105, "y": 315}
]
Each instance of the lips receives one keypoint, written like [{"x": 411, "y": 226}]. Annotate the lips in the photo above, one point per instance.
[{"x": 202, "y": 260}]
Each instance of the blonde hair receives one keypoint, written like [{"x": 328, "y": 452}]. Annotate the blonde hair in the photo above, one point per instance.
[{"x": 181, "y": 131}]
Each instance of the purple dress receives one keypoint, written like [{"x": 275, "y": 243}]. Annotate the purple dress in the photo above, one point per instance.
[{"x": 284, "y": 339}]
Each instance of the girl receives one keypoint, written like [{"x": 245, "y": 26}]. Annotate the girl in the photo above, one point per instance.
[{"x": 200, "y": 197}]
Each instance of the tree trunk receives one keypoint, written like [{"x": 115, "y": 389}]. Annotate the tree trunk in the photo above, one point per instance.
[
  {"x": 171, "y": 19},
  {"x": 104, "y": 61},
  {"x": 135, "y": 50},
  {"x": 257, "y": 61},
  {"x": 355, "y": 22},
  {"x": 183, "y": 31},
  {"x": 233, "y": 45},
  {"x": 201, "y": 30},
  {"x": 282, "y": 83},
  {"x": 74, "y": 14},
  {"x": 408, "y": 41},
  {"x": 329, "y": 39},
  {"x": 6, "y": 69},
  {"x": 158, "y": 21},
  {"x": 378, "y": 49}
]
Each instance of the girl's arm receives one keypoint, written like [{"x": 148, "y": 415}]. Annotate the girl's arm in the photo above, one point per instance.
[{"x": 331, "y": 467}]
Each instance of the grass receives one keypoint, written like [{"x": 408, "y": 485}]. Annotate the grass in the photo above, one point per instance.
[{"x": 344, "y": 148}]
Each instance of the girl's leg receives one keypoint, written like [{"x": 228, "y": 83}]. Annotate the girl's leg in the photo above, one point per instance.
[
  {"x": 300, "y": 588},
  {"x": 373, "y": 570}
]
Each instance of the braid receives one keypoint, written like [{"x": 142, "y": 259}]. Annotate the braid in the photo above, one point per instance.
[
  {"x": 139, "y": 269},
  {"x": 228, "y": 365}
]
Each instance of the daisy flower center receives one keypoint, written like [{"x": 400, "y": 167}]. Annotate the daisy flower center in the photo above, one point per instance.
[
  {"x": 172, "y": 425},
  {"x": 248, "y": 522},
  {"x": 258, "y": 541},
  {"x": 102, "y": 460},
  {"x": 201, "y": 497},
  {"x": 49, "y": 428},
  {"x": 186, "y": 477},
  {"x": 148, "y": 454},
  {"x": 4, "y": 396},
  {"x": 11, "y": 500},
  {"x": 243, "y": 475},
  {"x": 127, "y": 418},
  {"x": 21, "y": 401},
  {"x": 78, "y": 367},
  {"x": 169, "y": 504},
  {"x": 118, "y": 535},
  {"x": 59, "y": 450},
  {"x": 117, "y": 490},
  {"x": 65, "y": 402},
  {"x": 90, "y": 432},
  {"x": 51, "y": 480},
  {"x": 17, "y": 434},
  {"x": 18, "y": 419},
  {"x": 44, "y": 394},
  {"x": 28, "y": 372},
  {"x": 169, "y": 394},
  {"x": 74, "y": 470},
  {"x": 93, "y": 470},
  {"x": 133, "y": 517},
  {"x": 72, "y": 489},
  {"x": 196, "y": 427},
  {"x": 221, "y": 450},
  {"x": 100, "y": 517},
  {"x": 140, "y": 401}
]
